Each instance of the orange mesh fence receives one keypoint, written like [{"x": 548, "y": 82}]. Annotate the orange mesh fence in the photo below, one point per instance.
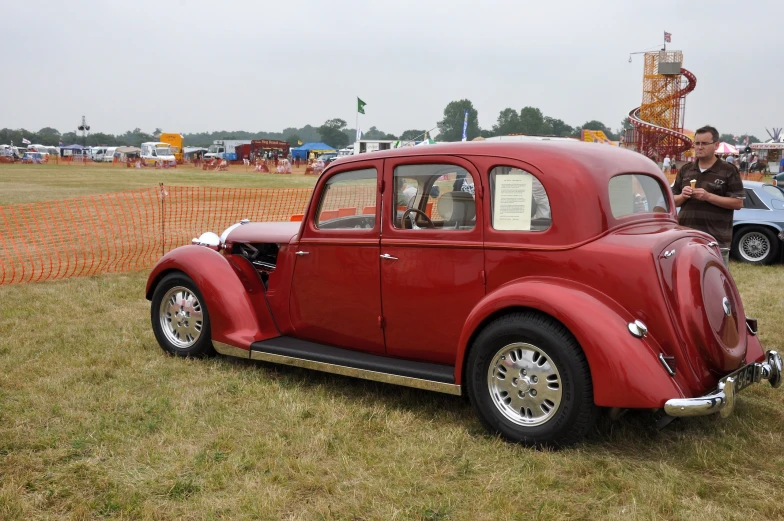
[{"x": 125, "y": 231}]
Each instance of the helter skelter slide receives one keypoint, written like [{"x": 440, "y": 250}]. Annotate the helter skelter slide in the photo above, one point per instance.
[{"x": 658, "y": 121}]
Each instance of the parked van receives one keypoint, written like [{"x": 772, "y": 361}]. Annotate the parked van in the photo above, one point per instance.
[
  {"x": 41, "y": 149},
  {"x": 96, "y": 153},
  {"x": 108, "y": 155},
  {"x": 157, "y": 154}
]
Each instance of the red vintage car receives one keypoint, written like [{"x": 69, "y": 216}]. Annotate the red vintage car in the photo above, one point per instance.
[{"x": 546, "y": 280}]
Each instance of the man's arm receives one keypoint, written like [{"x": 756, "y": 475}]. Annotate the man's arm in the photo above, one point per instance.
[{"x": 731, "y": 203}]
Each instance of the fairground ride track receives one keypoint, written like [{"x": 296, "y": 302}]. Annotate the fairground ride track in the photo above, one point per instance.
[{"x": 649, "y": 128}]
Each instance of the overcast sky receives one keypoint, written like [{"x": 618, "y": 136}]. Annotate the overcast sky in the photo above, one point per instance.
[{"x": 190, "y": 66}]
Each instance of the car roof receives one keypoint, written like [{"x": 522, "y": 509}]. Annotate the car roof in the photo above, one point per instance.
[{"x": 597, "y": 160}]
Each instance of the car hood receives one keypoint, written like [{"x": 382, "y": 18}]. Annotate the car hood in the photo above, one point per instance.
[{"x": 278, "y": 232}]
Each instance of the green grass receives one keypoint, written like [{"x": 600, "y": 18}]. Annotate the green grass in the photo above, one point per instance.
[
  {"x": 28, "y": 183},
  {"x": 96, "y": 422}
]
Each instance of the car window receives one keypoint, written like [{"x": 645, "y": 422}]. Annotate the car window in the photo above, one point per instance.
[
  {"x": 753, "y": 201},
  {"x": 774, "y": 192},
  {"x": 636, "y": 194},
  {"x": 433, "y": 196},
  {"x": 349, "y": 201},
  {"x": 519, "y": 201}
]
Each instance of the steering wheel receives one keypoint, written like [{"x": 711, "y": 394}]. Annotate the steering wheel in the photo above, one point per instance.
[{"x": 429, "y": 223}]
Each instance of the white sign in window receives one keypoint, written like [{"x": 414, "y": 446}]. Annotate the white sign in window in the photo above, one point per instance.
[{"x": 512, "y": 204}]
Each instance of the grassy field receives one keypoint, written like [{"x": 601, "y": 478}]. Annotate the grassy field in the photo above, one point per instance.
[
  {"x": 27, "y": 183},
  {"x": 96, "y": 422}
]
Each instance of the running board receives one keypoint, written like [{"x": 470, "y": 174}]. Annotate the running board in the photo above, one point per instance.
[{"x": 310, "y": 355}]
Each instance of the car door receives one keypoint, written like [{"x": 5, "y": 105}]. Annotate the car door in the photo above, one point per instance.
[
  {"x": 431, "y": 277},
  {"x": 335, "y": 295}
]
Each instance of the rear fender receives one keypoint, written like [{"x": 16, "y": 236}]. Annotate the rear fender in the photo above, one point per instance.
[
  {"x": 232, "y": 292},
  {"x": 625, "y": 370}
]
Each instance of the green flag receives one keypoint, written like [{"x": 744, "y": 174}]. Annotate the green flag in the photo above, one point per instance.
[{"x": 361, "y": 106}]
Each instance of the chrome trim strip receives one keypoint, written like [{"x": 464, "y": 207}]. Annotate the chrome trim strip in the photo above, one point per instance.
[
  {"x": 364, "y": 374},
  {"x": 666, "y": 365},
  {"x": 227, "y": 350}
]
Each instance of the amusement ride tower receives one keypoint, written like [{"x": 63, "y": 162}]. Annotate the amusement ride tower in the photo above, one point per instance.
[{"x": 658, "y": 121}]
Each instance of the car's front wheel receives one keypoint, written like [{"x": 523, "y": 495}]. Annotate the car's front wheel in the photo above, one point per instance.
[
  {"x": 179, "y": 317},
  {"x": 756, "y": 245},
  {"x": 529, "y": 381}
]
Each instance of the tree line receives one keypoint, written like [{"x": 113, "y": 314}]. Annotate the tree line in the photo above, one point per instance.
[{"x": 335, "y": 132}]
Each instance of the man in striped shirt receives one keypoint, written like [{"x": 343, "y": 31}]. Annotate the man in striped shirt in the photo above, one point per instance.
[{"x": 708, "y": 191}]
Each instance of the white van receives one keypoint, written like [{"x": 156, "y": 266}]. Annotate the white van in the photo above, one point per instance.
[
  {"x": 156, "y": 153},
  {"x": 108, "y": 154},
  {"x": 41, "y": 149},
  {"x": 96, "y": 153}
]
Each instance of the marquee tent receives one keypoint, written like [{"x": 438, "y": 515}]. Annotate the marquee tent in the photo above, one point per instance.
[{"x": 317, "y": 148}]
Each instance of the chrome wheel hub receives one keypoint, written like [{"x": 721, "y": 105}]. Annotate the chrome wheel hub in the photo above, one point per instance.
[
  {"x": 754, "y": 246},
  {"x": 524, "y": 384},
  {"x": 181, "y": 317}
]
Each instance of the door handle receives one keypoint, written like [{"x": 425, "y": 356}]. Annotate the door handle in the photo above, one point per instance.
[
  {"x": 301, "y": 253},
  {"x": 388, "y": 257}
]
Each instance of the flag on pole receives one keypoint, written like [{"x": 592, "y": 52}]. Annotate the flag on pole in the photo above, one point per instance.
[
  {"x": 361, "y": 106},
  {"x": 359, "y": 134},
  {"x": 667, "y": 37},
  {"x": 25, "y": 141},
  {"x": 465, "y": 125}
]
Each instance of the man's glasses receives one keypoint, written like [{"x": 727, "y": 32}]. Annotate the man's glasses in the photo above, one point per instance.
[{"x": 701, "y": 144}]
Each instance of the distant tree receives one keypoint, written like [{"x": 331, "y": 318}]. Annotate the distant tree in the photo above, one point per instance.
[
  {"x": 752, "y": 139},
  {"x": 412, "y": 135},
  {"x": 486, "y": 133},
  {"x": 374, "y": 133},
  {"x": 451, "y": 127},
  {"x": 626, "y": 124},
  {"x": 294, "y": 140},
  {"x": 532, "y": 122},
  {"x": 558, "y": 127},
  {"x": 157, "y": 131},
  {"x": 508, "y": 123},
  {"x": 331, "y": 133},
  {"x": 727, "y": 138}
]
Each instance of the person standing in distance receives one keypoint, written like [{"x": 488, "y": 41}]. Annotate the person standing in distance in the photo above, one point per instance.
[{"x": 708, "y": 191}]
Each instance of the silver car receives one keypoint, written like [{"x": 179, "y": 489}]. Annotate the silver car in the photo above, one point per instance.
[{"x": 758, "y": 227}]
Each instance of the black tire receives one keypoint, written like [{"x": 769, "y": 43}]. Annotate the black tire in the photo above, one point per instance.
[
  {"x": 563, "y": 424},
  {"x": 755, "y": 245},
  {"x": 191, "y": 336}
]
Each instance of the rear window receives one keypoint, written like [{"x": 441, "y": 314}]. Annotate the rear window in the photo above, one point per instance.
[{"x": 635, "y": 194}]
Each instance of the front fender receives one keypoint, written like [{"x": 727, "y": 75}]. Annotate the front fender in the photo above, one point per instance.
[
  {"x": 625, "y": 370},
  {"x": 234, "y": 295}
]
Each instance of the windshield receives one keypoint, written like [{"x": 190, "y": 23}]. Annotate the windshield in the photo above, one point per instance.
[
  {"x": 214, "y": 149},
  {"x": 163, "y": 151}
]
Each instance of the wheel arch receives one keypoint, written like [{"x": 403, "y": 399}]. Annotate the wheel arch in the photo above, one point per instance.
[
  {"x": 625, "y": 371},
  {"x": 234, "y": 300}
]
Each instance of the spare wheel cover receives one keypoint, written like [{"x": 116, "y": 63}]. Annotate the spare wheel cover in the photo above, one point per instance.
[{"x": 710, "y": 308}]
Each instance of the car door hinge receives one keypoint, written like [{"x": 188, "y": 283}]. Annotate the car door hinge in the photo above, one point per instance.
[{"x": 381, "y": 322}]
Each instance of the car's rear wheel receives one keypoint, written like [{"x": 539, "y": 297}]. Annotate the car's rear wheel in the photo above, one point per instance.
[
  {"x": 529, "y": 381},
  {"x": 756, "y": 245},
  {"x": 179, "y": 317}
]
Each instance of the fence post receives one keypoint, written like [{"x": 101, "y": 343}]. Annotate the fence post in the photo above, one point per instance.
[{"x": 162, "y": 193}]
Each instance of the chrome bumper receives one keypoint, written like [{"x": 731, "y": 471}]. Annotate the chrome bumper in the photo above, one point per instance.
[{"x": 723, "y": 400}]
